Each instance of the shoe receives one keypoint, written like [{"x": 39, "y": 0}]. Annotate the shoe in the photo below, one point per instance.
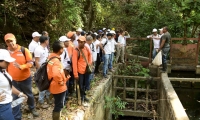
[
  {"x": 111, "y": 70},
  {"x": 105, "y": 76},
  {"x": 86, "y": 100},
  {"x": 34, "y": 113},
  {"x": 42, "y": 105},
  {"x": 56, "y": 115}
]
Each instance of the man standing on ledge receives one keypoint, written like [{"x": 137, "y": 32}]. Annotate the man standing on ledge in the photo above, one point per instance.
[{"x": 165, "y": 47}]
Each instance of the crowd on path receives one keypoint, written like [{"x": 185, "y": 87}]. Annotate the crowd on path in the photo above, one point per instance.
[
  {"x": 70, "y": 59},
  {"x": 74, "y": 53}
]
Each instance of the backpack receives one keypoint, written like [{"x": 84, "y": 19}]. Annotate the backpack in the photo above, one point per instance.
[
  {"x": 41, "y": 77},
  {"x": 23, "y": 51}
]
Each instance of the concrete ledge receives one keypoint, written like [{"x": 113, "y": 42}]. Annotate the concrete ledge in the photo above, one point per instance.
[
  {"x": 170, "y": 105},
  {"x": 95, "y": 109}
]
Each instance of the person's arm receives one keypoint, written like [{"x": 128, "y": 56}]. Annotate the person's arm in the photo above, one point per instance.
[
  {"x": 162, "y": 42},
  {"x": 57, "y": 70},
  {"x": 18, "y": 93},
  {"x": 29, "y": 62},
  {"x": 74, "y": 63},
  {"x": 37, "y": 59}
]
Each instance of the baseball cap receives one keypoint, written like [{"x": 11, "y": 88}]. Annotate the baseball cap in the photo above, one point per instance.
[
  {"x": 95, "y": 33},
  {"x": 100, "y": 31},
  {"x": 161, "y": 29},
  {"x": 104, "y": 28},
  {"x": 79, "y": 30},
  {"x": 108, "y": 30},
  {"x": 82, "y": 38},
  {"x": 109, "y": 34},
  {"x": 5, "y": 55},
  {"x": 70, "y": 34},
  {"x": 35, "y": 34},
  {"x": 64, "y": 39},
  {"x": 154, "y": 30},
  {"x": 9, "y": 36},
  {"x": 112, "y": 32}
]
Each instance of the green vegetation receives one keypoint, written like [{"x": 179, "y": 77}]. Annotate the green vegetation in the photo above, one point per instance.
[
  {"x": 115, "y": 104},
  {"x": 139, "y": 17}
]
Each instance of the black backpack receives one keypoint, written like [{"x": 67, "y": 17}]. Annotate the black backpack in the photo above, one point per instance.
[{"x": 41, "y": 77}]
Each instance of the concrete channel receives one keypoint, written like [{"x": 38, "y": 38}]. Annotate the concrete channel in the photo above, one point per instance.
[{"x": 169, "y": 105}]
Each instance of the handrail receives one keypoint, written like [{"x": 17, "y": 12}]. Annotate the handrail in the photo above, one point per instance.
[{"x": 171, "y": 39}]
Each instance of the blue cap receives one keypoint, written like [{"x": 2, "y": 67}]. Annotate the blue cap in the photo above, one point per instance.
[{"x": 100, "y": 31}]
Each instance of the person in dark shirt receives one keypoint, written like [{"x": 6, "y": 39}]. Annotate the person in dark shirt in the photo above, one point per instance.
[{"x": 165, "y": 47}]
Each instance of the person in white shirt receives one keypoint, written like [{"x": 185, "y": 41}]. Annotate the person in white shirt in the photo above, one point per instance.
[
  {"x": 97, "y": 44},
  {"x": 156, "y": 41},
  {"x": 6, "y": 87},
  {"x": 41, "y": 54},
  {"x": 113, "y": 43},
  {"x": 34, "y": 43},
  {"x": 106, "y": 50},
  {"x": 66, "y": 62},
  {"x": 77, "y": 35},
  {"x": 88, "y": 78},
  {"x": 121, "y": 47}
]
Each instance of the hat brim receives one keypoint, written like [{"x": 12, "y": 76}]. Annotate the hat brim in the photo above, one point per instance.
[
  {"x": 65, "y": 40},
  {"x": 9, "y": 59},
  {"x": 81, "y": 40},
  {"x": 11, "y": 38}
]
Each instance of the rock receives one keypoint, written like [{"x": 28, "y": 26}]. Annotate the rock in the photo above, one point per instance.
[{"x": 35, "y": 91}]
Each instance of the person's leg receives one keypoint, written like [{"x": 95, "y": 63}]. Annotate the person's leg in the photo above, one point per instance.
[
  {"x": 110, "y": 65},
  {"x": 66, "y": 93},
  {"x": 87, "y": 78},
  {"x": 154, "y": 53},
  {"x": 6, "y": 112},
  {"x": 58, "y": 105},
  {"x": 165, "y": 52},
  {"x": 105, "y": 64},
  {"x": 16, "y": 110},
  {"x": 81, "y": 85},
  {"x": 41, "y": 96},
  {"x": 97, "y": 63},
  {"x": 71, "y": 83},
  {"x": 118, "y": 53},
  {"x": 26, "y": 87},
  {"x": 122, "y": 53}
]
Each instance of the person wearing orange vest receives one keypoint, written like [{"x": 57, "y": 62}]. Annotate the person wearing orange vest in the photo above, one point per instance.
[
  {"x": 21, "y": 74},
  {"x": 58, "y": 85},
  {"x": 79, "y": 65}
]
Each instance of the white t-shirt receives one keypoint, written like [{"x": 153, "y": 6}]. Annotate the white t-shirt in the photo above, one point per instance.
[
  {"x": 65, "y": 60},
  {"x": 42, "y": 53},
  {"x": 75, "y": 42},
  {"x": 121, "y": 40},
  {"x": 113, "y": 43},
  {"x": 33, "y": 45},
  {"x": 156, "y": 40},
  {"x": 5, "y": 87},
  {"x": 94, "y": 51},
  {"x": 97, "y": 42},
  {"x": 108, "y": 46}
]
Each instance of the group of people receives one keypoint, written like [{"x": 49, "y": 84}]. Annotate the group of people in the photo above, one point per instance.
[
  {"x": 161, "y": 42},
  {"x": 71, "y": 53}
]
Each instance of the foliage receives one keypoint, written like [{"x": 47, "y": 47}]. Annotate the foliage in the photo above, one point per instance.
[
  {"x": 139, "y": 17},
  {"x": 115, "y": 104},
  {"x": 134, "y": 68}
]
